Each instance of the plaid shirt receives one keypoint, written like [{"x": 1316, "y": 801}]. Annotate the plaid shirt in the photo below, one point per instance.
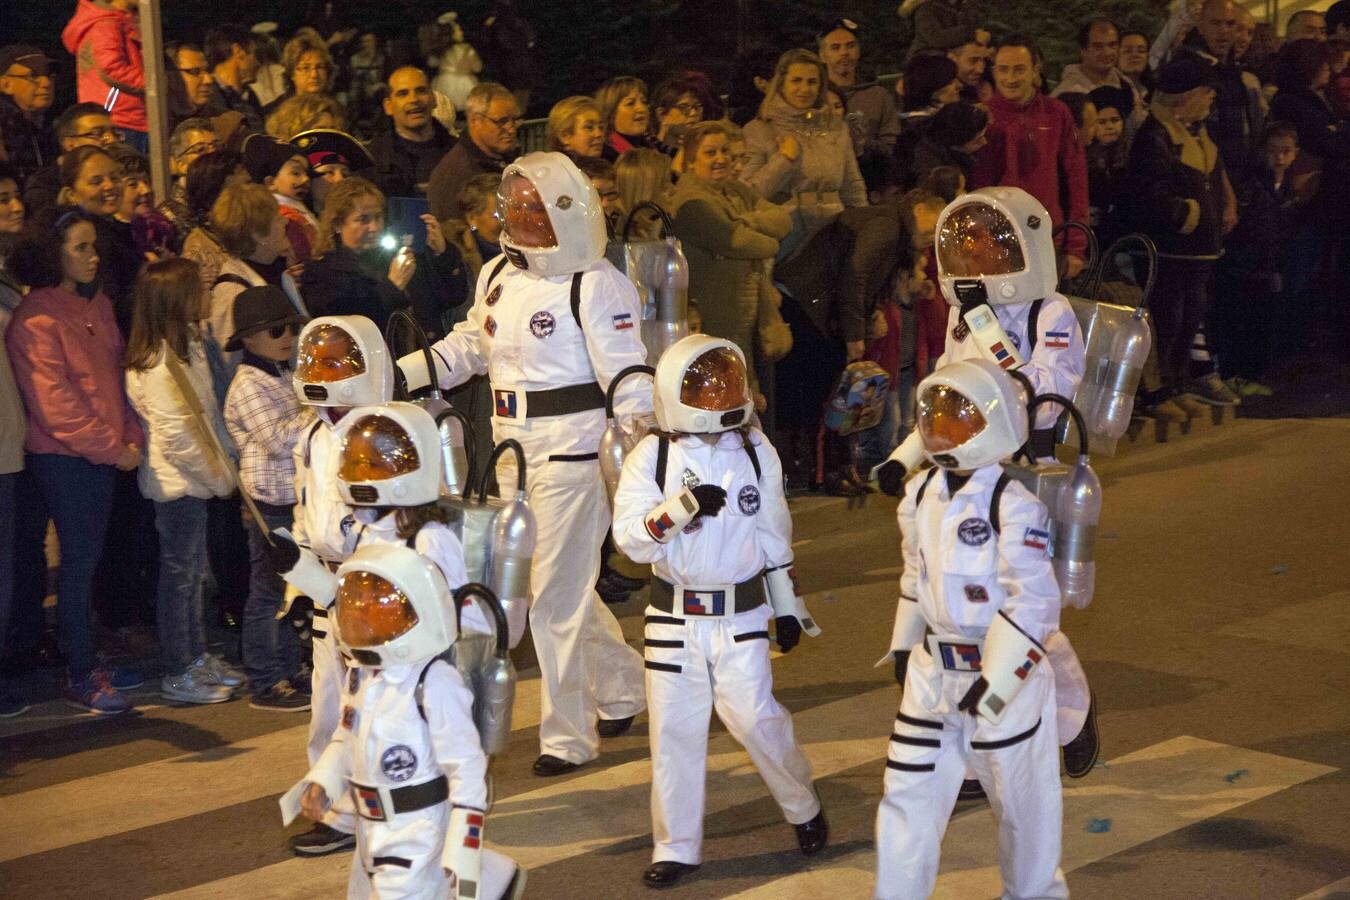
[{"x": 265, "y": 418}]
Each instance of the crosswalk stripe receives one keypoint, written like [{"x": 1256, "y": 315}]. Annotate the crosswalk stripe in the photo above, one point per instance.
[
  {"x": 87, "y": 809},
  {"x": 609, "y": 806},
  {"x": 1136, "y": 798},
  {"x": 1337, "y": 890}
]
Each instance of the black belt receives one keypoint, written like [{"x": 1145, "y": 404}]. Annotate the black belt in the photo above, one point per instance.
[
  {"x": 1042, "y": 442},
  {"x": 561, "y": 401},
  {"x": 749, "y": 595},
  {"x": 405, "y": 799}
]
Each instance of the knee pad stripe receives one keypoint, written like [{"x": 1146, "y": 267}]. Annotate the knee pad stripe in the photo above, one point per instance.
[
  {"x": 910, "y": 767},
  {"x": 662, "y": 667},
  {"x": 916, "y": 742},
  {"x": 751, "y": 636},
  {"x": 1006, "y": 742},
  {"x": 918, "y": 723},
  {"x": 649, "y": 642}
]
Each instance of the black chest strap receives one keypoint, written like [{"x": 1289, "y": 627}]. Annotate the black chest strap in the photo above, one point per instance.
[
  {"x": 576, "y": 301},
  {"x": 309, "y": 439},
  {"x": 663, "y": 458},
  {"x": 995, "y": 499},
  {"x": 1033, "y": 328},
  {"x": 496, "y": 270}
]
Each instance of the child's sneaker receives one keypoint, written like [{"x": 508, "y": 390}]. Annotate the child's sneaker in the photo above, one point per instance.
[
  {"x": 96, "y": 695},
  {"x": 281, "y": 697},
  {"x": 223, "y": 672},
  {"x": 194, "y": 686},
  {"x": 322, "y": 840},
  {"x": 120, "y": 677}
]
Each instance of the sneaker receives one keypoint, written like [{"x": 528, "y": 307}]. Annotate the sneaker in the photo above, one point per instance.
[
  {"x": 1211, "y": 389},
  {"x": 302, "y": 683},
  {"x": 322, "y": 840},
  {"x": 611, "y": 591},
  {"x": 11, "y": 706},
  {"x": 97, "y": 696},
  {"x": 281, "y": 697},
  {"x": 121, "y": 678},
  {"x": 224, "y": 673},
  {"x": 194, "y": 686},
  {"x": 1244, "y": 388}
]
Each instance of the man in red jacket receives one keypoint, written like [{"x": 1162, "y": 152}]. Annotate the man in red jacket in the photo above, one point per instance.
[
  {"x": 1033, "y": 144},
  {"x": 105, "y": 38}
]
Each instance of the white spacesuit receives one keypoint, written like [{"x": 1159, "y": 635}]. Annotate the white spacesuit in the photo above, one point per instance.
[
  {"x": 341, "y": 362},
  {"x": 706, "y": 508},
  {"x": 996, "y": 263},
  {"x": 978, "y": 598},
  {"x": 551, "y": 325},
  {"x": 406, "y": 750}
]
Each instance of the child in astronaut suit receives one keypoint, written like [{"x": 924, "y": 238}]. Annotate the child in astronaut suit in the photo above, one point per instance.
[
  {"x": 978, "y": 598},
  {"x": 703, "y": 503}
]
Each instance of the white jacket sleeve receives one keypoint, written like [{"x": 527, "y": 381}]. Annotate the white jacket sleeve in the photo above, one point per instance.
[
  {"x": 907, "y": 514},
  {"x": 1024, "y": 569},
  {"x": 635, "y": 498},
  {"x": 607, "y": 302},
  {"x": 332, "y": 769},
  {"x": 459, "y": 355},
  {"x": 1057, "y": 363},
  {"x": 449, "y": 707},
  {"x": 773, "y": 523}
]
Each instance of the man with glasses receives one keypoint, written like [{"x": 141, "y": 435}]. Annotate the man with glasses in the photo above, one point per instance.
[
  {"x": 190, "y": 92},
  {"x": 82, "y": 125},
  {"x": 493, "y": 118},
  {"x": 870, "y": 109},
  {"x": 26, "y": 140},
  {"x": 191, "y": 140}
]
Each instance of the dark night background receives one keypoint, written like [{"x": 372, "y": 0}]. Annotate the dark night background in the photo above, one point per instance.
[{"x": 583, "y": 43}]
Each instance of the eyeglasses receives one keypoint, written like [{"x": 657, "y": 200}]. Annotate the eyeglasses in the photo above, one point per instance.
[
  {"x": 312, "y": 70},
  {"x": 31, "y": 78},
  {"x": 690, "y": 109},
  {"x": 609, "y": 196},
  {"x": 276, "y": 331},
  {"x": 201, "y": 149},
  {"x": 97, "y": 134},
  {"x": 506, "y": 122}
]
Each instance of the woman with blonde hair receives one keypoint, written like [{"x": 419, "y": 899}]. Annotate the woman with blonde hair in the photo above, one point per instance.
[
  {"x": 641, "y": 176},
  {"x": 182, "y": 468},
  {"x": 308, "y": 64},
  {"x": 626, "y": 113},
  {"x": 292, "y": 115},
  {"x": 576, "y": 127}
]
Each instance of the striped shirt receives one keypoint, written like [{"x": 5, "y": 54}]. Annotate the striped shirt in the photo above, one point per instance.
[{"x": 266, "y": 419}]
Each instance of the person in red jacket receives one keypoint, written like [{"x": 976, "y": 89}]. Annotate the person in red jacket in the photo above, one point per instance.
[
  {"x": 1033, "y": 144},
  {"x": 104, "y": 36}
]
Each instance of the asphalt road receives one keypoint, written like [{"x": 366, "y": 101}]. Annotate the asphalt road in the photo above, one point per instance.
[{"x": 1216, "y": 646}]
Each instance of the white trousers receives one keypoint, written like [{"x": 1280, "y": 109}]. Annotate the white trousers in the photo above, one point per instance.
[
  {"x": 697, "y": 665},
  {"x": 1017, "y": 762},
  {"x": 1071, "y": 687},
  {"x": 586, "y": 669},
  {"x": 325, "y": 707},
  {"x": 401, "y": 858}
]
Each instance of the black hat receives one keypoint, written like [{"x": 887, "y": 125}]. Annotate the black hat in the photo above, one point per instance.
[
  {"x": 264, "y": 156},
  {"x": 24, "y": 55},
  {"x": 327, "y": 146},
  {"x": 1184, "y": 74},
  {"x": 839, "y": 25},
  {"x": 259, "y": 308}
]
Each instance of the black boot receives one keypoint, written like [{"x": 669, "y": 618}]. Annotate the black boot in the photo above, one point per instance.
[
  {"x": 609, "y": 728},
  {"x": 812, "y": 835},
  {"x": 1081, "y": 753},
  {"x": 665, "y": 873},
  {"x": 547, "y": 766}
]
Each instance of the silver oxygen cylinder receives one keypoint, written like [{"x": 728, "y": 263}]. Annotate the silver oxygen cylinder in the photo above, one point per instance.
[
  {"x": 672, "y": 302},
  {"x": 616, "y": 442},
  {"x": 1118, "y": 378},
  {"x": 511, "y": 548},
  {"x": 485, "y": 664},
  {"x": 1079, "y": 509}
]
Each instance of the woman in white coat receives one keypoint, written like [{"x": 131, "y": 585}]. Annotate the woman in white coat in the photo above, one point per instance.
[{"x": 180, "y": 470}]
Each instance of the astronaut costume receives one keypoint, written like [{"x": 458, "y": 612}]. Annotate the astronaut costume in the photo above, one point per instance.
[
  {"x": 341, "y": 362},
  {"x": 706, "y": 508},
  {"x": 551, "y": 325},
  {"x": 978, "y": 597},
  {"x": 996, "y": 265},
  {"x": 406, "y": 750}
]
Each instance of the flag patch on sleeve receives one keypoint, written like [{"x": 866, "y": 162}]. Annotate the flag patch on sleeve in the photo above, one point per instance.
[
  {"x": 623, "y": 321},
  {"x": 1057, "y": 340},
  {"x": 1036, "y": 539}
]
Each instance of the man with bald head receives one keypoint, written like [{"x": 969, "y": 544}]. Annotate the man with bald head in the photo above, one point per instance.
[
  {"x": 414, "y": 142},
  {"x": 1236, "y": 120}
]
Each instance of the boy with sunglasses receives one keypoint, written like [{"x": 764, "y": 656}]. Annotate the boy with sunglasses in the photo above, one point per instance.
[{"x": 266, "y": 420}]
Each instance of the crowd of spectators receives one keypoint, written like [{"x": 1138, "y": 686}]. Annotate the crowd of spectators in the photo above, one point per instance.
[{"x": 805, "y": 197}]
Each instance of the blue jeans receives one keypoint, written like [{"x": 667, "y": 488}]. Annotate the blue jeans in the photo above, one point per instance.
[
  {"x": 7, "y": 550},
  {"x": 181, "y": 525},
  {"x": 896, "y": 422},
  {"x": 78, "y": 496},
  {"x": 271, "y": 651}
]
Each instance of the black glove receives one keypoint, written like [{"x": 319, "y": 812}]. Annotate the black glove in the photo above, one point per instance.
[
  {"x": 891, "y": 477},
  {"x": 901, "y": 666},
  {"x": 973, "y": 696},
  {"x": 711, "y": 499},
  {"x": 788, "y": 632},
  {"x": 282, "y": 554},
  {"x": 301, "y": 614}
]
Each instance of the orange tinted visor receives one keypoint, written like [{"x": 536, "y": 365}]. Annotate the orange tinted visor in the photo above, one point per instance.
[
  {"x": 523, "y": 215},
  {"x": 372, "y": 612},
  {"x": 328, "y": 354},
  {"x": 947, "y": 419},
  {"x": 376, "y": 448},
  {"x": 976, "y": 240},
  {"x": 715, "y": 382}
]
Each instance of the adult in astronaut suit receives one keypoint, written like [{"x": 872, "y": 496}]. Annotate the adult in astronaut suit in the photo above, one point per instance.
[
  {"x": 341, "y": 362},
  {"x": 552, "y": 323},
  {"x": 996, "y": 265},
  {"x": 406, "y": 749},
  {"x": 703, "y": 503},
  {"x": 978, "y": 598}
]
